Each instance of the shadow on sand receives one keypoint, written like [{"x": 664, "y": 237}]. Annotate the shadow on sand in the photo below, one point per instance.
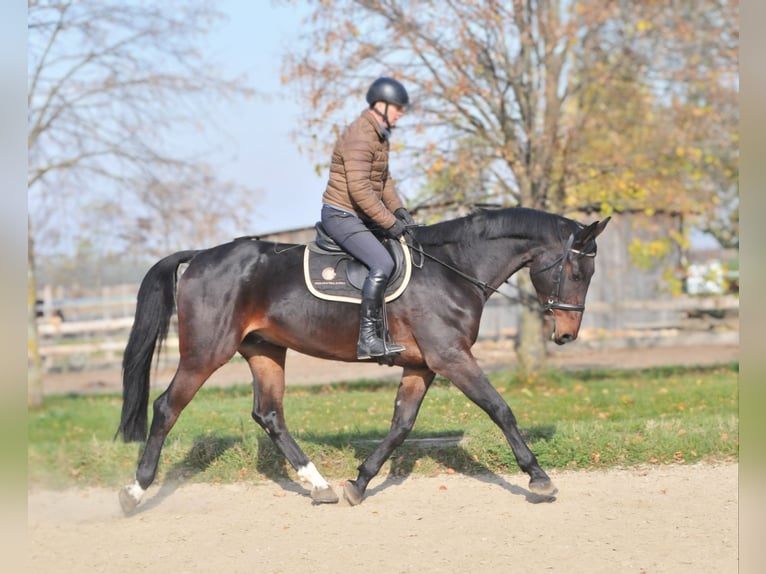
[{"x": 446, "y": 451}]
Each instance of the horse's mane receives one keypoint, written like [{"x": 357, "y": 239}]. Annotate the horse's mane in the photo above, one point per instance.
[{"x": 484, "y": 224}]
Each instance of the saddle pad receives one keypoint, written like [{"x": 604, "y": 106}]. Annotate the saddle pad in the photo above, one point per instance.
[{"x": 339, "y": 277}]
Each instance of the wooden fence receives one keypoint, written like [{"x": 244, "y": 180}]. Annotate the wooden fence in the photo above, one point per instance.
[{"x": 86, "y": 331}]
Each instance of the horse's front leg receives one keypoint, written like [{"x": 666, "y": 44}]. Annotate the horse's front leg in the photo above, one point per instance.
[
  {"x": 267, "y": 363},
  {"x": 412, "y": 390},
  {"x": 467, "y": 376}
]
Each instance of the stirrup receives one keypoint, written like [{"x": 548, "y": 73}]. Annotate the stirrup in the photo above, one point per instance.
[
  {"x": 391, "y": 350},
  {"x": 364, "y": 354}
]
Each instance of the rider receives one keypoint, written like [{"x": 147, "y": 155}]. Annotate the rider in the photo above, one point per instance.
[{"x": 360, "y": 194}]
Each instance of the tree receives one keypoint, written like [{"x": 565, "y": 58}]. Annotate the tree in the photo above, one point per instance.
[
  {"x": 114, "y": 90},
  {"x": 706, "y": 81},
  {"x": 672, "y": 142},
  {"x": 34, "y": 373},
  {"x": 510, "y": 97}
]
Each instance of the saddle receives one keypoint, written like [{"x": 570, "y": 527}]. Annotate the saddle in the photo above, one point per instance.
[{"x": 334, "y": 275}]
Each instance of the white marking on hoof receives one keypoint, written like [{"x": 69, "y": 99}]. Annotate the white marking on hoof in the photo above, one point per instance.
[
  {"x": 136, "y": 491},
  {"x": 310, "y": 474},
  {"x": 130, "y": 496}
]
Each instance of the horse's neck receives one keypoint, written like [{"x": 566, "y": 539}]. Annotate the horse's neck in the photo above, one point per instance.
[{"x": 493, "y": 261}]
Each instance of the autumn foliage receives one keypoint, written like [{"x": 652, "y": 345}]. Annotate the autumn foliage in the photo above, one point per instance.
[{"x": 556, "y": 105}]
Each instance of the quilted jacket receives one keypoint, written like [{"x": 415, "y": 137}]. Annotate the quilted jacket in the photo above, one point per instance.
[{"x": 359, "y": 181}]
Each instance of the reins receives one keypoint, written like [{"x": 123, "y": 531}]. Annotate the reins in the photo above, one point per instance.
[
  {"x": 553, "y": 299},
  {"x": 473, "y": 280}
]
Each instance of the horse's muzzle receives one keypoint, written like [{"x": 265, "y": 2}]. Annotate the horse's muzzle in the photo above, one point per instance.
[
  {"x": 564, "y": 339},
  {"x": 566, "y": 326}
]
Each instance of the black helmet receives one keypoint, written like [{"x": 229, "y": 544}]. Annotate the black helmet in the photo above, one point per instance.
[{"x": 387, "y": 90}]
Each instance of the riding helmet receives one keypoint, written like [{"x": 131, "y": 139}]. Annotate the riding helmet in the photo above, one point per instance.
[{"x": 387, "y": 90}]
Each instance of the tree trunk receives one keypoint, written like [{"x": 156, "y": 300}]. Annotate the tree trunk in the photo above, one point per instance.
[
  {"x": 34, "y": 369},
  {"x": 530, "y": 344}
]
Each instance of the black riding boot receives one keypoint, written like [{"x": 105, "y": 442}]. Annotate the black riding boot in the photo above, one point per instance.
[{"x": 372, "y": 339}]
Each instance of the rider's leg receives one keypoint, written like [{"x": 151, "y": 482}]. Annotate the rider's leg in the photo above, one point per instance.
[
  {"x": 372, "y": 339},
  {"x": 354, "y": 237}
]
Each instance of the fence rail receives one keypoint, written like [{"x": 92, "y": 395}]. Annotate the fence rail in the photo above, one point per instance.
[{"x": 90, "y": 332}]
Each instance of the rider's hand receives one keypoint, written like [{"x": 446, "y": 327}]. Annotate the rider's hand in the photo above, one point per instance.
[
  {"x": 403, "y": 215},
  {"x": 396, "y": 230}
]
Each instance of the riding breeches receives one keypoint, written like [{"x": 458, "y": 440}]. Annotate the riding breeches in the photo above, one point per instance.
[{"x": 355, "y": 238}]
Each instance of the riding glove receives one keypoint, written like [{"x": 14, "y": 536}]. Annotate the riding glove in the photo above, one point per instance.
[
  {"x": 396, "y": 230},
  {"x": 403, "y": 215}
]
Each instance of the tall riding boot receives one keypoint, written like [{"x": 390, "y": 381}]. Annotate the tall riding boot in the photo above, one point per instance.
[{"x": 372, "y": 339}]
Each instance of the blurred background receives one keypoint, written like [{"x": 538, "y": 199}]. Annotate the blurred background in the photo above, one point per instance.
[{"x": 182, "y": 125}]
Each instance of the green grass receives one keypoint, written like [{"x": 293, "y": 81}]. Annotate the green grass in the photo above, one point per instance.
[{"x": 594, "y": 419}]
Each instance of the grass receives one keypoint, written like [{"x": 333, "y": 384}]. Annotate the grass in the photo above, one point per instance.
[{"x": 585, "y": 420}]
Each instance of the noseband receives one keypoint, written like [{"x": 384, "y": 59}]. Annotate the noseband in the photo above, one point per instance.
[{"x": 553, "y": 298}]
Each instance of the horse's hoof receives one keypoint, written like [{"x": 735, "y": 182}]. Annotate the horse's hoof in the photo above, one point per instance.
[
  {"x": 542, "y": 486},
  {"x": 127, "y": 502},
  {"x": 352, "y": 493},
  {"x": 324, "y": 495}
]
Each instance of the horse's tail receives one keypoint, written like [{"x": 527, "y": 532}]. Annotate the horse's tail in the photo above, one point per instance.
[{"x": 155, "y": 305}]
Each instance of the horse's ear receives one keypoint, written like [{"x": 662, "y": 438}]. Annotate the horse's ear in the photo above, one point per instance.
[{"x": 589, "y": 233}]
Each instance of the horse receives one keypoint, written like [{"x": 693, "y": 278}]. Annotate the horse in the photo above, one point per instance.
[{"x": 248, "y": 296}]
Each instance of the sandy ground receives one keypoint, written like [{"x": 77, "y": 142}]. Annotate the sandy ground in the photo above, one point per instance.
[{"x": 672, "y": 519}]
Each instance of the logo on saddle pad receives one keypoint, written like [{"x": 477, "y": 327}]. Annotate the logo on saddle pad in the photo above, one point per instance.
[{"x": 337, "y": 276}]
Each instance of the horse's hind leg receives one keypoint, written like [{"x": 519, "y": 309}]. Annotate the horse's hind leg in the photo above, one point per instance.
[
  {"x": 267, "y": 363},
  {"x": 167, "y": 408},
  {"x": 409, "y": 397}
]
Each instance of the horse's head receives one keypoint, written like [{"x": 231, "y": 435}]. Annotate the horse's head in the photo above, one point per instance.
[{"x": 561, "y": 279}]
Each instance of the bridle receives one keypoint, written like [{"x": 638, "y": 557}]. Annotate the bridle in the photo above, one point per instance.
[{"x": 554, "y": 301}]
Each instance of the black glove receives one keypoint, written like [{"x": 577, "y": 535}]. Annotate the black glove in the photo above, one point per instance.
[
  {"x": 396, "y": 230},
  {"x": 403, "y": 215}
]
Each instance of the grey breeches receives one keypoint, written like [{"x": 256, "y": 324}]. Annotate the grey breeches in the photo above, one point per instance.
[{"x": 355, "y": 238}]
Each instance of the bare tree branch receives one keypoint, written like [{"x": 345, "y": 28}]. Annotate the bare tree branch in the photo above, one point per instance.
[{"x": 110, "y": 86}]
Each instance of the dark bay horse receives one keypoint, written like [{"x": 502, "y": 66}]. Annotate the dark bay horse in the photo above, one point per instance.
[{"x": 250, "y": 297}]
